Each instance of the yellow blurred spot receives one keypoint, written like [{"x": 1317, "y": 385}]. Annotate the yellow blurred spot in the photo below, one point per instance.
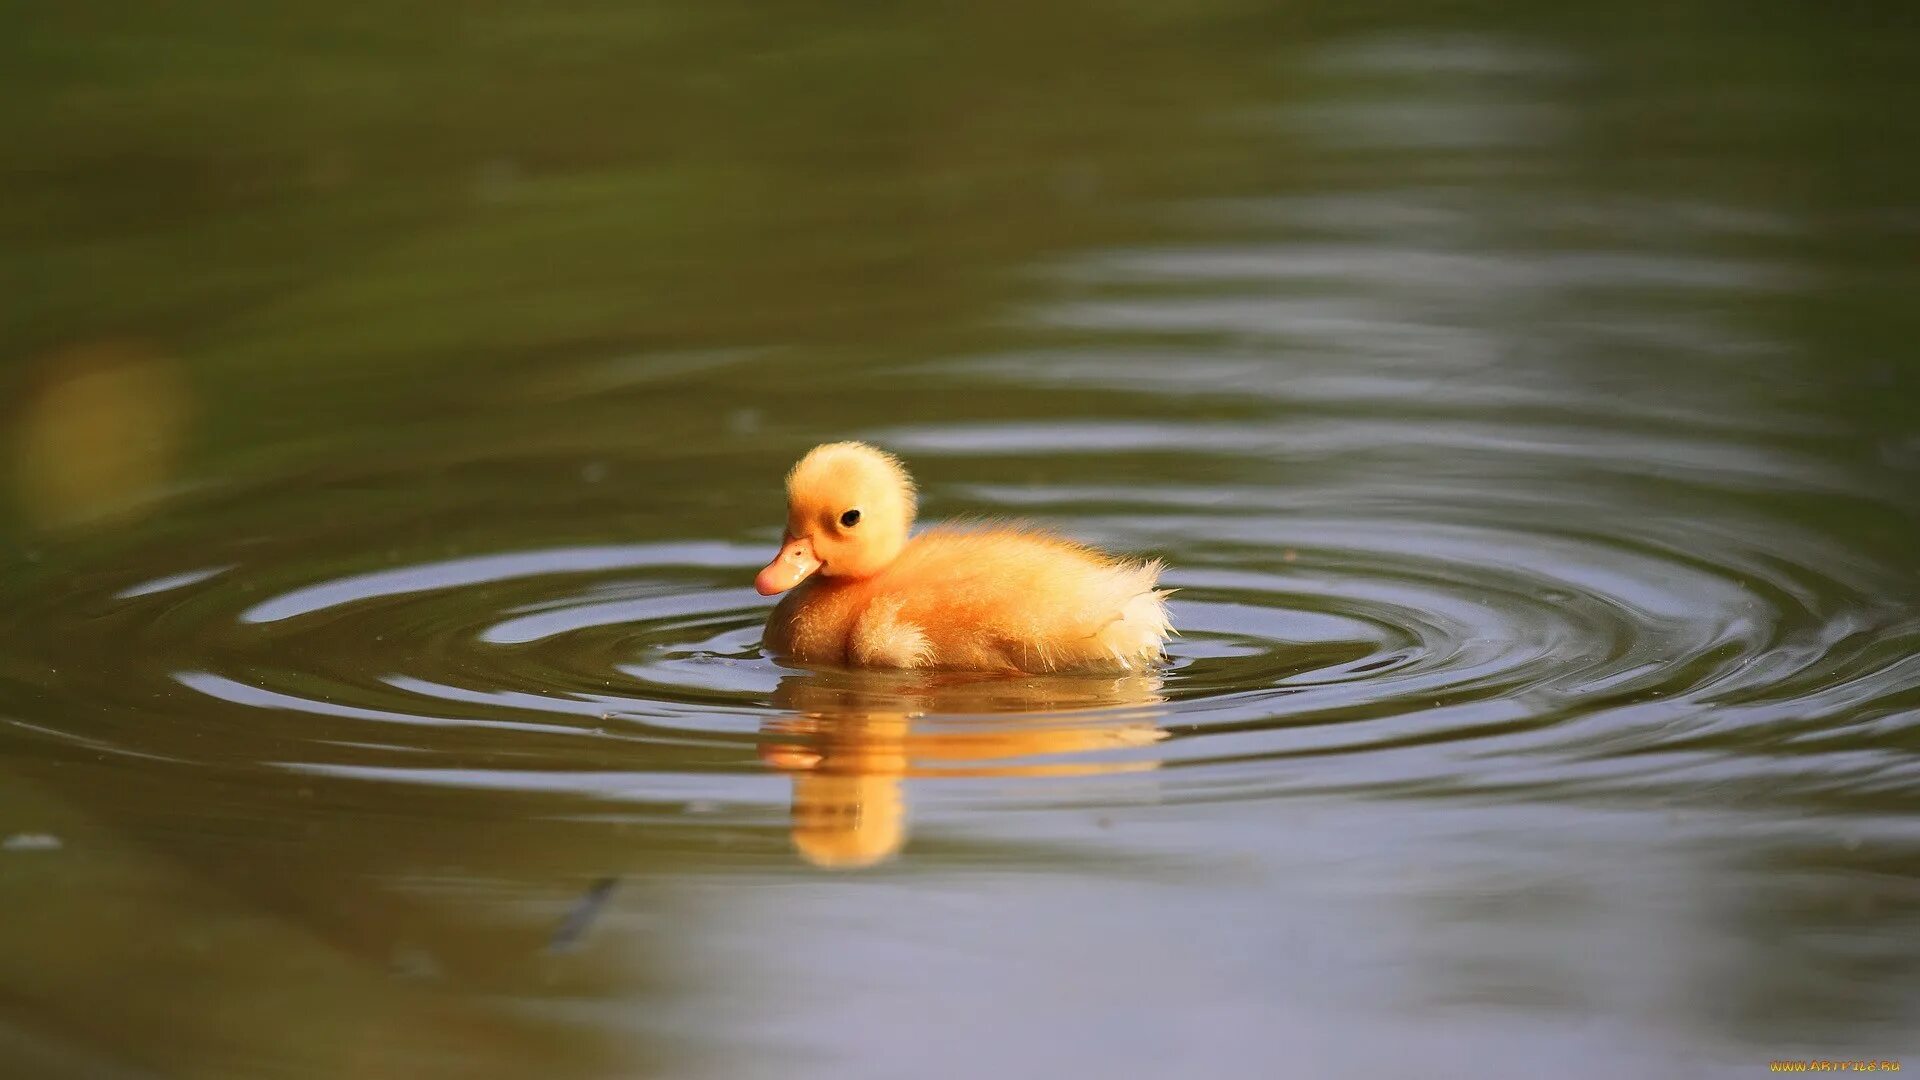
[{"x": 98, "y": 436}]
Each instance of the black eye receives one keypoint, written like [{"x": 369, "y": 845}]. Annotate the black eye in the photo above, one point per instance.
[{"x": 850, "y": 519}]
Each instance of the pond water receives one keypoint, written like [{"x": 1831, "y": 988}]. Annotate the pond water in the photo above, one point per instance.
[{"x": 1524, "y": 402}]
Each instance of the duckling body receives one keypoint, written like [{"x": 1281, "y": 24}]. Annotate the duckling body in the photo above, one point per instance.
[
  {"x": 980, "y": 599},
  {"x": 976, "y": 598}
]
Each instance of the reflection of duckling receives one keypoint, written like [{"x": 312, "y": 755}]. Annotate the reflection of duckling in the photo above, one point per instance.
[
  {"x": 849, "y": 803},
  {"x": 980, "y": 599},
  {"x": 848, "y": 807}
]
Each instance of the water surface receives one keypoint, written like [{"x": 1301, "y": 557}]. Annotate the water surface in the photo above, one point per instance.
[{"x": 1524, "y": 403}]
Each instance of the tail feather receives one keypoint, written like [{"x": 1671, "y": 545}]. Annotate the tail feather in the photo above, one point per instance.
[{"x": 1138, "y": 635}]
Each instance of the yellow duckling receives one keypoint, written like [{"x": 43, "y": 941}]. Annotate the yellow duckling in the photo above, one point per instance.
[{"x": 975, "y": 598}]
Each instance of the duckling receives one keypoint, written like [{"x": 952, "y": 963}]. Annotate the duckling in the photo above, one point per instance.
[{"x": 986, "y": 597}]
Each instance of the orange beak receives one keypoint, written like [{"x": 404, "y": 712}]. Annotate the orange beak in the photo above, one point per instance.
[{"x": 795, "y": 561}]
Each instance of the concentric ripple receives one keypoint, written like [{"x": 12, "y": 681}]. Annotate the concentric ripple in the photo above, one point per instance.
[
  {"x": 1450, "y": 511},
  {"x": 1454, "y": 639}
]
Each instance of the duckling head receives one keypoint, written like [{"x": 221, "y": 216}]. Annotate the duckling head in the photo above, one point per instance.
[{"x": 849, "y": 509}]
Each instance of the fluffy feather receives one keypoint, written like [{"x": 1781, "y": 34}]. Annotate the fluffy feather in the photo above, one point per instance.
[{"x": 984, "y": 597}]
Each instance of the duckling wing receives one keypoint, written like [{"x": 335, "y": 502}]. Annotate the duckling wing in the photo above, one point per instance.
[{"x": 1007, "y": 598}]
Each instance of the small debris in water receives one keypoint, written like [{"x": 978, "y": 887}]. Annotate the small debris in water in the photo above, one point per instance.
[
  {"x": 580, "y": 919},
  {"x": 1289, "y": 555},
  {"x": 701, "y": 806},
  {"x": 31, "y": 841}
]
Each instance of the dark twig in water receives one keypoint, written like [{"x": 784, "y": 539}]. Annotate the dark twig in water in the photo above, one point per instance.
[{"x": 585, "y": 910}]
